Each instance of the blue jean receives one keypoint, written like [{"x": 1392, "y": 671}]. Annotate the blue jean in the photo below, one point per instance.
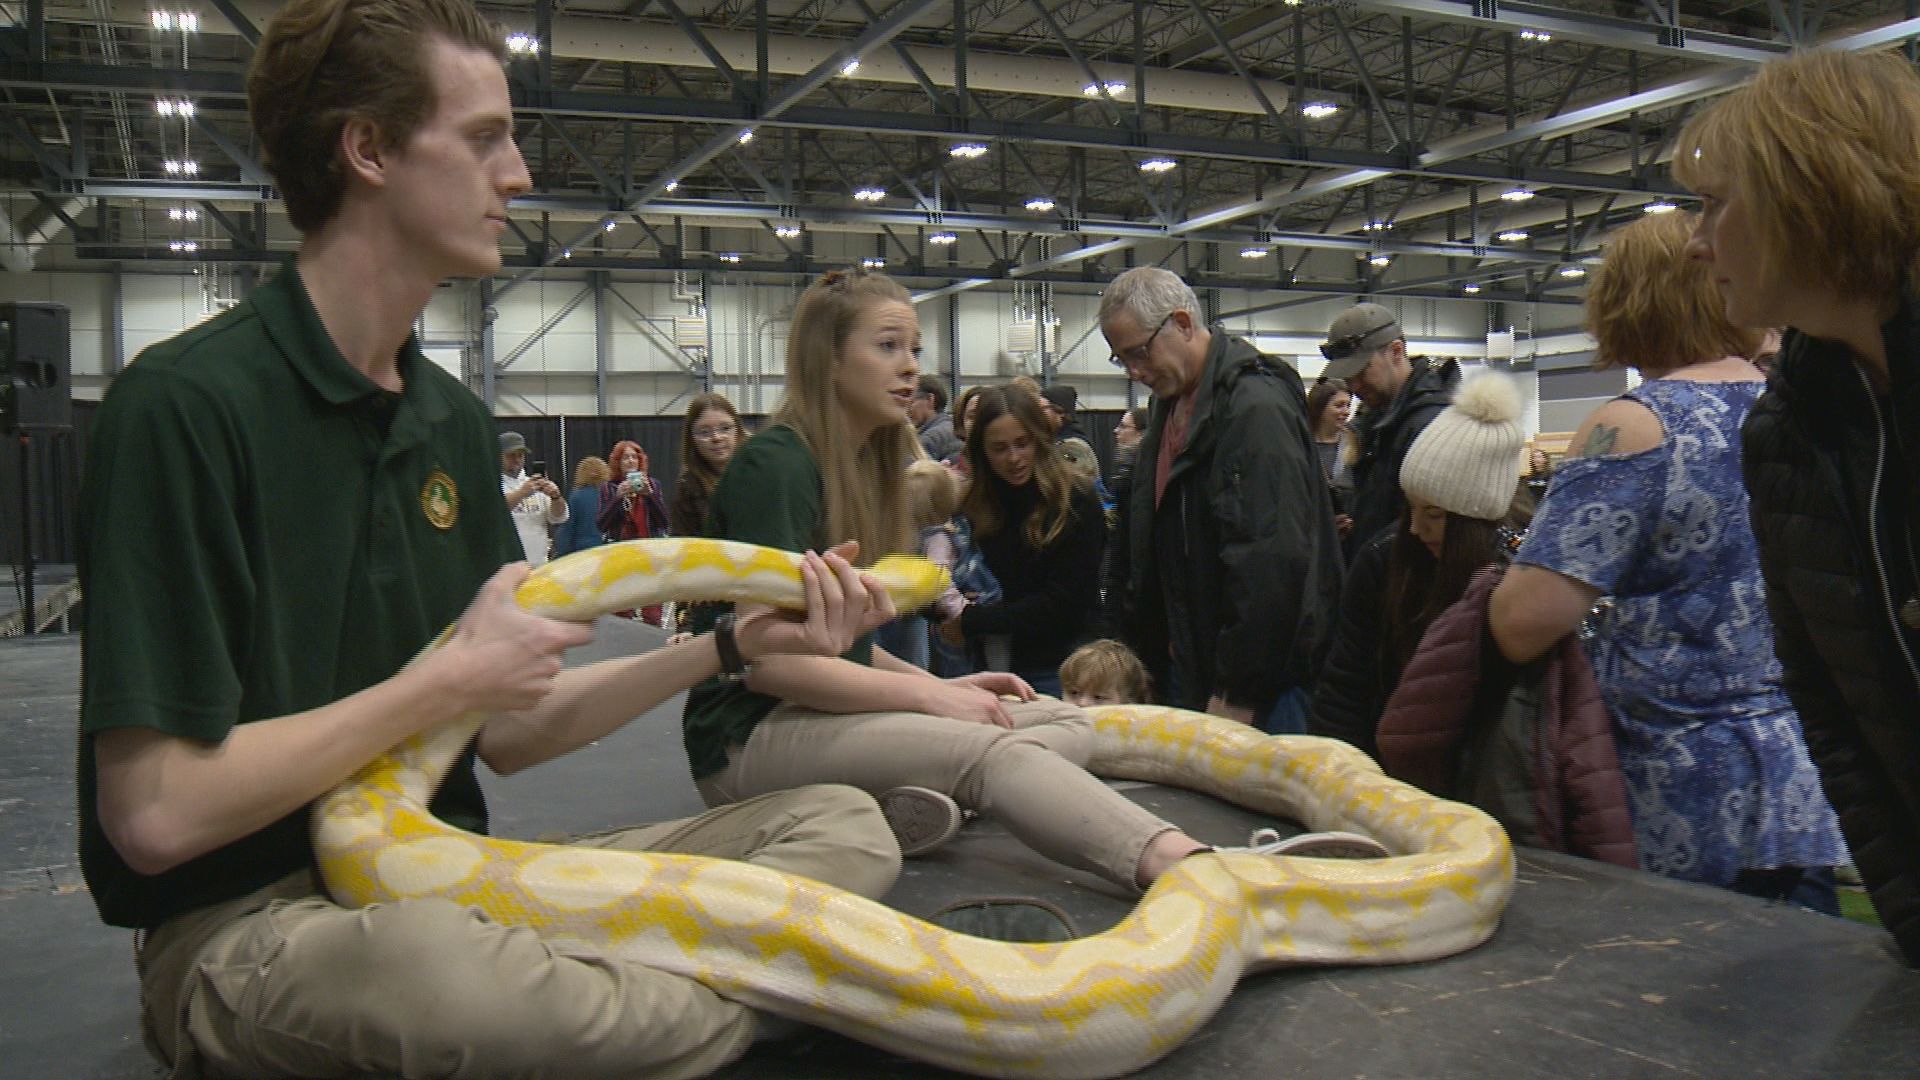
[
  {"x": 1287, "y": 717},
  {"x": 906, "y": 638},
  {"x": 1810, "y": 887}
]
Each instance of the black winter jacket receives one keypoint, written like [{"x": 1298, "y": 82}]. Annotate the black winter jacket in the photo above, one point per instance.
[
  {"x": 1837, "y": 570},
  {"x": 1050, "y": 598},
  {"x": 1357, "y": 680},
  {"x": 1234, "y": 578},
  {"x": 1384, "y": 438}
]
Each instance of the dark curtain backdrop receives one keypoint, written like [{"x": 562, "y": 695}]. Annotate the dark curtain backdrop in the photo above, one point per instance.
[{"x": 53, "y": 486}]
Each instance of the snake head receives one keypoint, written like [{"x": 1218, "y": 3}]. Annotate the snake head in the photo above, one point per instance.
[{"x": 912, "y": 582}]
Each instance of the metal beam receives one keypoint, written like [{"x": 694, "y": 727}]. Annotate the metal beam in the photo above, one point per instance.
[
  {"x": 49, "y": 161},
  {"x": 741, "y": 89},
  {"x": 1366, "y": 78},
  {"x": 250, "y": 170},
  {"x": 1614, "y": 33},
  {"x": 1239, "y": 65},
  {"x": 615, "y": 190},
  {"x": 1267, "y": 152},
  {"x": 241, "y": 24},
  {"x": 883, "y": 30},
  {"x": 552, "y": 321}
]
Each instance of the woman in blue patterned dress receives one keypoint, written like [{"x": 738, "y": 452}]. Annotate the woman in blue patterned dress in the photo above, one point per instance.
[{"x": 1648, "y": 517}]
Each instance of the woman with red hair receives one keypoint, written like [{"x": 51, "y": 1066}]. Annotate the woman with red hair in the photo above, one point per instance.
[{"x": 630, "y": 504}]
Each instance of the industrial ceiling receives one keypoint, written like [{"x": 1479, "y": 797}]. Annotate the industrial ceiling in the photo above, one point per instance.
[{"x": 1416, "y": 147}]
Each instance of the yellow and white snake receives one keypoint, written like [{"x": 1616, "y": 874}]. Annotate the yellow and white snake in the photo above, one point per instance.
[{"x": 1097, "y": 1006}]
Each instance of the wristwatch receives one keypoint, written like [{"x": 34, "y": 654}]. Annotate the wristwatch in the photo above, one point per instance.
[{"x": 733, "y": 666}]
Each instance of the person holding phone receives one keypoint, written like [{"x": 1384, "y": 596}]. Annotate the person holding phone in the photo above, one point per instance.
[
  {"x": 534, "y": 501},
  {"x": 631, "y": 507}
]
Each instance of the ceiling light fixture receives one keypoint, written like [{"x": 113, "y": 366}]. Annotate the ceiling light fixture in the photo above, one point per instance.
[
  {"x": 943, "y": 239},
  {"x": 873, "y": 264},
  {"x": 1660, "y": 206},
  {"x": 523, "y": 44},
  {"x": 1039, "y": 204},
  {"x": 1318, "y": 110},
  {"x": 1573, "y": 273},
  {"x": 1512, "y": 236},
  {"x": 847, "y": 69},
  {"x": 870, "y": 194},
  {"x": 1538, "y": 37},
  {"x": 1158, "y": 165},
  {"x": 1255, "y": 252},
  {"x": 786, "y": 232},
  {"x": 746, "y": 137},
  {"x": 967, "y": 150},
  {"x": 1516, "y": 195},
  {"x": 1380, "y": 260},
  {"x": 1470, "y": 289}
]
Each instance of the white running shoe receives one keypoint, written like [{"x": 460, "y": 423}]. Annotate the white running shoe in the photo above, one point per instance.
[{"x": 1312, "y": 845}]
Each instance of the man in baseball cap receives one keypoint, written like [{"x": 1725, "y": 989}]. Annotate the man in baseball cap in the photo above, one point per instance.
[{"x": 1402, "y": 394}]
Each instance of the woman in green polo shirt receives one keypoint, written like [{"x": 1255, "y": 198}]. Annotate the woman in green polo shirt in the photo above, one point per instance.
[{"x": 830, "y": 467}]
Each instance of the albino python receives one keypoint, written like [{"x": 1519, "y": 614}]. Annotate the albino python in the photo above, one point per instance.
[{"x": 1097, "y": 1006}]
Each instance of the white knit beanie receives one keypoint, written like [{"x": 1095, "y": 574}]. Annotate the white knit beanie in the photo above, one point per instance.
[{"x": 1468, "y": 460}]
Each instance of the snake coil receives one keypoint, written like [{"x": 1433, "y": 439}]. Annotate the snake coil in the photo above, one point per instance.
[{"x": 1097, "y": 1006}]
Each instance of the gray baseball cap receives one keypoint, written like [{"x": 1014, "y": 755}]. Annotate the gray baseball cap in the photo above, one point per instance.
[{"x": 1354, "y": 336}]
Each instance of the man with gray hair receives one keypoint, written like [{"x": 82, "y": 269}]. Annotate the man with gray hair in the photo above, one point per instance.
[
  {"x": 1402, "y": 394},
  {"x": 1228, "y": 534}
]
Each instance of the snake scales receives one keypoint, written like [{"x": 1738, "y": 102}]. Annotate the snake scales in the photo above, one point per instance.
[{"x": 1097, "y": 1006}]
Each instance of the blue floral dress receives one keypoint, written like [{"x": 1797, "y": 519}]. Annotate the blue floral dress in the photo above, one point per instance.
[{"x": 1717, "y": 769}]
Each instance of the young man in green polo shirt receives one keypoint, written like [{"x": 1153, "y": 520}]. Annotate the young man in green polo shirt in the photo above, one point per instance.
[{"x": 283, "y": 506}]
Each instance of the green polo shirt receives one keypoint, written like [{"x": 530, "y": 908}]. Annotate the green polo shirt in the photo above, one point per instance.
[
  {"x": 769, "y": 495},
  {"x": 262, "y": 531}
]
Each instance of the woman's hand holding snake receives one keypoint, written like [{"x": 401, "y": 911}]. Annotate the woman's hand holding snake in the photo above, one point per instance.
[{"x": 842, "y": 604}]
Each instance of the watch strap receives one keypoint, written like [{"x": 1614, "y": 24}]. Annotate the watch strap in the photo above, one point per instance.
[{"x": 732, "y": 664}]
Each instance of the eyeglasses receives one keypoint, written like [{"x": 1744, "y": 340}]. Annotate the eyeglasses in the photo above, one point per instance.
[
  {"x": 721, "y": 432},
  {"x": 1346, "y": 346},
  {"x": 1137, "y": 354}
]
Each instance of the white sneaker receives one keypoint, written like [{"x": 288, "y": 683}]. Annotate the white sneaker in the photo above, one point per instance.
[
  {"x": 1312, "y": 845},
  {"x": 921, "y": 818}
]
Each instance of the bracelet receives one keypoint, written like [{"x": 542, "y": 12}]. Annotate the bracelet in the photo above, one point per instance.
[{"x": 733, "y": 666}]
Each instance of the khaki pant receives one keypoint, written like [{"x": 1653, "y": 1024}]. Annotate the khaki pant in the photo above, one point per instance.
[
  {"x": 1032, "y": 779},
  {"x": 286, "y": 983}
]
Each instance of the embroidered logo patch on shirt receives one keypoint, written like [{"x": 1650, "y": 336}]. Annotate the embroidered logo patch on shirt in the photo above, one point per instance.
[{"x": 440, "y": 499}]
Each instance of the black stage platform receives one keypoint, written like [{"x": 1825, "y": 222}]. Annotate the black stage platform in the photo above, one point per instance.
[{"x": 1595, "y": 972}]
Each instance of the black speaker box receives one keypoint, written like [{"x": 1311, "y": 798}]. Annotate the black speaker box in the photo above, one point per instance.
[{"x": 36, "y": 366}]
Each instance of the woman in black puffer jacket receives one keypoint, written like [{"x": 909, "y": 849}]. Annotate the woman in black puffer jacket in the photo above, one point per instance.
[{"x": 1811, "y": 181}]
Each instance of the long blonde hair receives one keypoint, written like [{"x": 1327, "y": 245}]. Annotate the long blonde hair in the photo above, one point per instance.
[{"x": 862, "y": 483}]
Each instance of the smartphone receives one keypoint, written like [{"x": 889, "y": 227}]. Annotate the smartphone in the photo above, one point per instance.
[{"x": 538, "y": 468}]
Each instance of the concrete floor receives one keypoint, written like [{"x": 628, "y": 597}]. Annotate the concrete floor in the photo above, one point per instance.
[{"x": 1595, "y": 972}]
